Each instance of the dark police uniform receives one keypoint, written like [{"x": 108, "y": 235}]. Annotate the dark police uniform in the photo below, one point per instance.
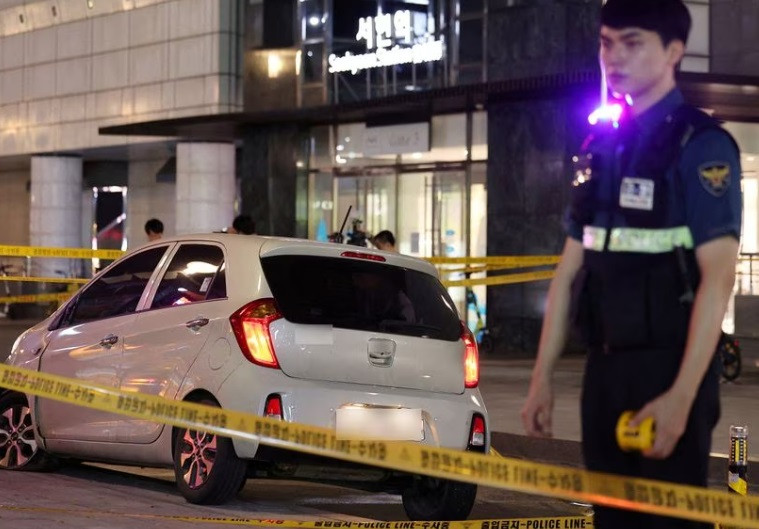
[{"x": 645, "y": 195}]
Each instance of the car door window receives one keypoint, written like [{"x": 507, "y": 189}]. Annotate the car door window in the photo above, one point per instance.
[
  {"x": 118, "y": 291},
  {"x": 196, "y": 273}
]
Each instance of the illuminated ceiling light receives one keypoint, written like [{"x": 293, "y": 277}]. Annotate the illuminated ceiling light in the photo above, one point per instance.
[
  {"x": 275, "y": 65},
  {"x": 314, "y": 20},
  {"x": 90, "y": 4},
  {"x": 750, "y": 158},
  {"x": 340, "y": 147}
]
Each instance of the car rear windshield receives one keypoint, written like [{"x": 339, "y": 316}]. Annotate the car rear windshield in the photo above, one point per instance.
[{"x": 362, "y": 295}]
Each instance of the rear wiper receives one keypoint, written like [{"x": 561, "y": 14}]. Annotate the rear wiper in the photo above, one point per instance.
[{"x": 401, "y": 324}]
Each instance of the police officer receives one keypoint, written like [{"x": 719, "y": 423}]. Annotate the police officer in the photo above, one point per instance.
[{"x": 648, "y": 265}]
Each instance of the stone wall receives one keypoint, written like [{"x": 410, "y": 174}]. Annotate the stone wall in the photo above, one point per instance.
[
  {"x": 734, "y": 37},
  {"x": 268, "y": 178},
  {"x": 531, "y": 142}
]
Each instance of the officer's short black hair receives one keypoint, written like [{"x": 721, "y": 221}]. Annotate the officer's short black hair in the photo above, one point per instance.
[
  {"x": 244, "y": 224},
  {"x": 154, "y": 226},
  {"x": 669, "y": 18},
  {"x": 385, "y": 236}
]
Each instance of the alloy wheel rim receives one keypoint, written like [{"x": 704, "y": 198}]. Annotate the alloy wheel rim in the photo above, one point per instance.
[
  {"x": 197, "y": 457},
  {"x": 17, "y": 443}
]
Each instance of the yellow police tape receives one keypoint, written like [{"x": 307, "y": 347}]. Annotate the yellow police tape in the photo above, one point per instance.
[
  {"x": 67, "y": 253},
  {"x": 656, "y": 497},
  {"x": 59, "y": 297},
  {"x": 504, "y": 279},
  {"x": 551, "y": 522},
  {"x": 506, "y": 261},
  {"x": 74, "y": 280}
]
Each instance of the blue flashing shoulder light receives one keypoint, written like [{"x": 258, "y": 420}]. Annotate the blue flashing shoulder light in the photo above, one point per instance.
[{"x": 609, "y": 113}]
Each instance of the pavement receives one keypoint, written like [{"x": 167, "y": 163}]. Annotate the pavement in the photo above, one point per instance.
[{"x": 504, "y": 384}]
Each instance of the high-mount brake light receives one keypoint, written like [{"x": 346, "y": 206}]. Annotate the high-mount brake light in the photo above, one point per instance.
[
  {"x": 251, "y": 327},
  {"x": 471, "y": 358},
  {"x": 364, "y": 255}
]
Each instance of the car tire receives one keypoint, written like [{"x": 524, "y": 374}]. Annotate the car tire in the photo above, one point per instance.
[
  {"x": 438, "y": 499},
  {"x": 206, "y": 468},
  {"x": 18, "y": 447}
]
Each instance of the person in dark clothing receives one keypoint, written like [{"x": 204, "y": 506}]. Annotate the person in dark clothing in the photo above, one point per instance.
[
  {"x": 648, "y": 265},
  {"x": 243, "y": 224},
  {"x": 385, "y": 240},
  {"x": 154, "y": 229}
]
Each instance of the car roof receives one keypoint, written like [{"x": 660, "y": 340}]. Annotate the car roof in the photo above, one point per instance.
[{"x": 270, "y": 246}]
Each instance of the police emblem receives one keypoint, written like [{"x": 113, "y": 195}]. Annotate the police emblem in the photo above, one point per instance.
[{"x": 715, "y": 177}]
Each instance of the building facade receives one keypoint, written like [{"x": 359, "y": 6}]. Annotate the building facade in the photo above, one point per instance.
[{"x": 449, "y": 122}]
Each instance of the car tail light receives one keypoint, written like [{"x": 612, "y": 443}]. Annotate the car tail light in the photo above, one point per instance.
[
  {"x": 364, "y": 255},
  {"x": 471, "y": 358},
  {"x": 273, "y": 408},
  {"x": 251, "y": 327},
  {"x": 477, "y": 434}
]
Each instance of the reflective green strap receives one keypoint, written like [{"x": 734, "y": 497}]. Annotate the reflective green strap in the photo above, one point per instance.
[
  {"x": 638, "y": 240},
  {"x": 593, "y": 238}
]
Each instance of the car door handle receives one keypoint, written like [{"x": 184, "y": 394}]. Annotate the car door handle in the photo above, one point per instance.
[
  {"x": 196, "y": 323},
  {"x": 109, "y": 340}
]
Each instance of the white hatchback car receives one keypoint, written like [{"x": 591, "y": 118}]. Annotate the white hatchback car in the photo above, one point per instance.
[{"x": 330, "y": 335}]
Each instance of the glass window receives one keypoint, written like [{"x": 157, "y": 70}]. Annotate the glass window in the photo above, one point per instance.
[
  {"x": 480, "y": 136},
  {"x": 321, "y": 148},
  {"x": 470, "y": 41},
  {"x": 313, "y": 18},
  {"x": 118, "y": 291},
  {"x": 195, "y": 274},
  {"x": 313, "y": 70},
  {"x": 321, "y": 206},
  {"x": 361, "y": 295}
]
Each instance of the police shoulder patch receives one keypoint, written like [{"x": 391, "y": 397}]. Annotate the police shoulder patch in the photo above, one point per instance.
[{"x": 715, "y": 177}]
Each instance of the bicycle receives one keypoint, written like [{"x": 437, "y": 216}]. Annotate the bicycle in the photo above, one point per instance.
[{"x": 481, "y": 332}]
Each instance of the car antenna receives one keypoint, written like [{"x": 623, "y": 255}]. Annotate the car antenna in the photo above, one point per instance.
[{"x": 345, "y": 220}]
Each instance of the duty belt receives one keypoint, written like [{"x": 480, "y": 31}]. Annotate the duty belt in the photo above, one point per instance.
[{"x": 639, "y": 240}]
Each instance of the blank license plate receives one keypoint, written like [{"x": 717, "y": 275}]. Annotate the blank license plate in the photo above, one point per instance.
[{"x": 379, "y": 424}]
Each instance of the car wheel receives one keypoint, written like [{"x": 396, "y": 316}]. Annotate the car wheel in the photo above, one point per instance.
[
  {"x": 18, "y": 447},
  {"x": 206, "y": 467},
  {"x": 438, "y": 499}
]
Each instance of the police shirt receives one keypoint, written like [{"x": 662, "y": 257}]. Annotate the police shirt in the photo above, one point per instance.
[{"x": 705, "y": 191}]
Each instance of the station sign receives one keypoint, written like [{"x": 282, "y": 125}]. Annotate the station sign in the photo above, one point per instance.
[{"x": 391, "y": 39}]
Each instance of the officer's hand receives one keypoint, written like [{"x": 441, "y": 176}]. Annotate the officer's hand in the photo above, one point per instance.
[
  {"x": 670, "y": 411},
  {"x": 537, "y": 410}
]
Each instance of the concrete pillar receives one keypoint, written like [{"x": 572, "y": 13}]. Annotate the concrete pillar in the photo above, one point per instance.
[
  {"x": 205, "y": 187},
  {"x": 149, "y": 198},
  {"x": 55, "y": 214}
]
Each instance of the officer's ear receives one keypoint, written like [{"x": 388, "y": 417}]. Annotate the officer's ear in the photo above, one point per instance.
[{"x": 675, "y": 52}]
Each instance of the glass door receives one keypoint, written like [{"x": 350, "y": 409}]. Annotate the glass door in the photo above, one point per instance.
[
  {"x": 372, "y": 203},
  {"x": 431, "y": 209}
]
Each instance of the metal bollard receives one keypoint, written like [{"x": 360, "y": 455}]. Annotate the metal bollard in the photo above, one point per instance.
[{"x": 738, "y": 463}]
